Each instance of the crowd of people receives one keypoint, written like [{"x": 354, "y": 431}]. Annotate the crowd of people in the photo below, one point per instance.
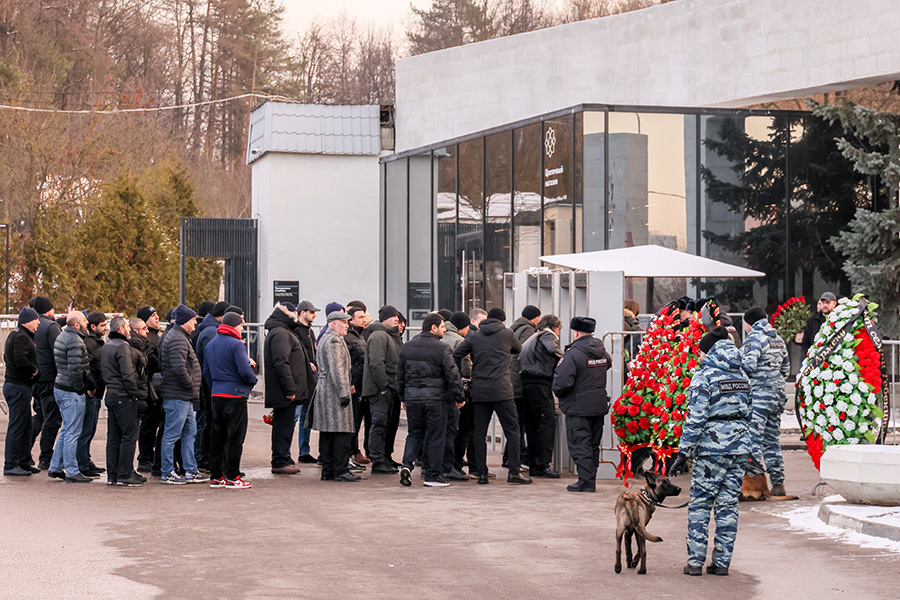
[{"x": 177, "y": 398}]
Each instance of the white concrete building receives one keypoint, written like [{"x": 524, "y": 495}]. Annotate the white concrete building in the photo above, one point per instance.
[{"x": 315, "y": 193}]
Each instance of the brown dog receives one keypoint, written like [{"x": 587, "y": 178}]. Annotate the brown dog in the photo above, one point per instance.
[{"x": 633, "y": 511}]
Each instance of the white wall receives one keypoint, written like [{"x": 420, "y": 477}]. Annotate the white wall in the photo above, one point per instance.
[
  {"x": 318, "y": 224},
  {"x": 727, "y": 53}
]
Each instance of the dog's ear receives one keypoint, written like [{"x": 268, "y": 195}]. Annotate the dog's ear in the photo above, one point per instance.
[{"x": 650, "y": 476}]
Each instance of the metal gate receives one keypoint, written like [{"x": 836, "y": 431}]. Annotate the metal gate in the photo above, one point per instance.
[{"x": 235, "y": 241}]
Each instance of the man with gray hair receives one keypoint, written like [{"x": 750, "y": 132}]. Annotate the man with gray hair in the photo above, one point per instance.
[
  {"x": 120, "y": 363},
  {"x": 72, "y": 385}
]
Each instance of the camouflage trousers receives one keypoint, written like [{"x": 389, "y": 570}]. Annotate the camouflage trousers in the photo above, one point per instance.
[
  {"x": 766, "y": 429},
  {"x": 715, "y": 486}
]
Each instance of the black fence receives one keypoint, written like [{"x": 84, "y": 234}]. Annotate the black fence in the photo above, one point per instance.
[{"x": 235, "y": 241}]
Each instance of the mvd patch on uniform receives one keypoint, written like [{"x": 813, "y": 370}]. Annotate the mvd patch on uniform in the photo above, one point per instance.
[
  {"x": 597, "y": 362},
  {"x": 731, "y": 386}
]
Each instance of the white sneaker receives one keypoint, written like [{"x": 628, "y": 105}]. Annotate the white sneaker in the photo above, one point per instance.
[{"x": 437, "y": 483}]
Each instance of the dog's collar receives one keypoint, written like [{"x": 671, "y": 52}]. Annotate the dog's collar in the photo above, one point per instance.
[{"x": 649, "y": 499}]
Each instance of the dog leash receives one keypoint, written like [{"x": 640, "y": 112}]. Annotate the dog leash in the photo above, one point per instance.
[{"x": 655, "y": 503}]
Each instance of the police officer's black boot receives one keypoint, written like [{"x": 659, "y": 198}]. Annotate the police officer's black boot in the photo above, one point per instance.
[{"x": 693, "y": 571}]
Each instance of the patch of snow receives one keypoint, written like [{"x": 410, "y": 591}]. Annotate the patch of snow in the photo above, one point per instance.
[{"x": 806, "y": 520}]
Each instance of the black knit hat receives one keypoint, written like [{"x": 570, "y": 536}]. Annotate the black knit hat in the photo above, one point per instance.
[
  {"x": 235, "y": 309},
  {"x": 445, "y": 314},
  {"x": 219, "y": 309},
  {"x": 460, "y": 320},
  {"x": 497, "y": 313},
  {"x": 232, "y": 318},
  {"x": 27, "y": 315},
  {"x": 182, "y": 314},
  {"x": 145, "y": 312},
  {"x": 204, "y": 308},
  {"x": 386, "y": 312},
  {"x": 754, "y": 314},
  {"x": 708, "y": 340},
  {"x": 42, "y": 304},
  {"x": 583, "y": 324},
  {"x": 531, "y": 312}
]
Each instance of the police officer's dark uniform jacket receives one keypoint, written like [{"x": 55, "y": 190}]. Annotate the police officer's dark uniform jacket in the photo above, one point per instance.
[{"x": 580, "y": 384}]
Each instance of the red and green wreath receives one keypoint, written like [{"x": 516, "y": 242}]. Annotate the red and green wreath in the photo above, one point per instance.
[{"x": 790, "y": 318}]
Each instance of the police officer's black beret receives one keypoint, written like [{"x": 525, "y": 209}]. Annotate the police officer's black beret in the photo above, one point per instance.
[
  {"x": 707, "y": 341},
  {"x": 584, "y": 324}
]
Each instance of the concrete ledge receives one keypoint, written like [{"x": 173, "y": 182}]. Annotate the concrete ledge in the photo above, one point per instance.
[{"x": 877, "y": 521}]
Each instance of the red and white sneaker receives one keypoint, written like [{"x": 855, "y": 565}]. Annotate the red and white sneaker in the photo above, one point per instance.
[
  {"x": 217, "y": 483},
  {"x": 237, "y": 484}
]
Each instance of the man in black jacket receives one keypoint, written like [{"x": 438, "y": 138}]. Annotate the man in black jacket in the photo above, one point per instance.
[
  {"x": 306, "y": 314},
  {"x": 523, "y": 328},
  {"x": 179, "y": 389},
  {"x": 580, "y": 385},
  {"x": 537, "y": 362},
  {"x": 20, "y": 356},
  {"x": 289, "y": 382},
  {"x": 72, "y": 385},
  {"x": 380, "y": 382},
  {"x": 47, "y": 419},
  {"x": 827, "y": 303},
  {"x": 492, "y": 390},
  {"x": 148, "y": 450},
  {"x": 120, "y": 363},
  {"x": 98, "y": 326},
  {"x": 356, "y": 345},
  {"x": 425, "y": 372}
]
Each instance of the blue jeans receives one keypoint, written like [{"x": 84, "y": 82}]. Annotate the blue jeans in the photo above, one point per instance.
[
  {"x": 71, "y": 406},
  {"x": 91, "y": 414},
  {"x": 302, "y": 432},
  {"x": 180, "y": 424}
]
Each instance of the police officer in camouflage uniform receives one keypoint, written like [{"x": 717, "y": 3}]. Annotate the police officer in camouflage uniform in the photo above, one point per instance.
[
  {"x": 764, "y": 358},
  {"x": 717, "y": 435}
]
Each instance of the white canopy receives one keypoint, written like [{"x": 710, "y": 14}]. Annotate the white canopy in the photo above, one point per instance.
[{"x": 649, "y": 261}]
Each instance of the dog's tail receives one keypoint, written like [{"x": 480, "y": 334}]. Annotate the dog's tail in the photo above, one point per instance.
[{"x": 639, "y": 528}]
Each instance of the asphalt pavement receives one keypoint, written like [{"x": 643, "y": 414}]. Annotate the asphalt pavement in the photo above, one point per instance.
[{"x": 299, "y": 537}]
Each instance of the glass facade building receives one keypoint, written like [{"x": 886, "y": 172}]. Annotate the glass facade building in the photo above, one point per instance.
[{"x": 761, "y": 189}]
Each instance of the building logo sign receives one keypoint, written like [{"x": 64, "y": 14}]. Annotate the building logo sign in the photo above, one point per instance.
[{"x": 550, "y": 142}]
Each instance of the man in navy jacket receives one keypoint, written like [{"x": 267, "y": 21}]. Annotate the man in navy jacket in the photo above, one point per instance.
[{"x": 229, "y": 372}]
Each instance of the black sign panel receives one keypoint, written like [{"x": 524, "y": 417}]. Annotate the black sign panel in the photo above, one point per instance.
[
  {"x": 286, "y": 291},
  {"x": 419, "y": 295}
]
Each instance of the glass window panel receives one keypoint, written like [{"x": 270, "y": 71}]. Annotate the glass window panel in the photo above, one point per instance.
[
  {"x": 395, "y": 231},
  {"x": 578, "y": 178},
  {"x": 558, "y": 222},
  {"x": 420, "y": 296},
  {"x": 469, "y": 238},
  {"x": 447, "y": 276},
  {"x": 527, "y": 197},
  {"x": 593, "y": 141},
  {"x": 498, "y": 205},
  {"x": 742, "y": 205}
]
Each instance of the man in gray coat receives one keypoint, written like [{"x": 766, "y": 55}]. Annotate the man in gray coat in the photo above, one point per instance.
[{"x": 332, "y": 415}]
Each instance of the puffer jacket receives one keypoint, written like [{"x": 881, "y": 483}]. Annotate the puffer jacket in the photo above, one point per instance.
[
  {"x": 719, "y": 409},
  {"x": 227, "y": 365},
  {"x": 539, "y": 355},
  {"x": 288, "y": 370},
  {"x": 490, "y": 347},
  {"x": 382, "y": 352},
  {"x": 580, "y": 378},
  {"x": 73, "y": 365},
  {"x": 426, "y": 371},
  {"x": 523, "y": 329},
  {"x": 44, "y": 341},
  {"x": 118, "y": 361},
  {"x": 179, "y": 367}
]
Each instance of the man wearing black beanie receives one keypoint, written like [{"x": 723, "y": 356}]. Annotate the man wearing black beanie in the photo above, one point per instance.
[
  {"x": 492, "y": 391},
  {"x": 48, "y": 419},
  {"x": 20, "y": 357},
  {"x": 380, "y": 383},
  {"x": 523, "y": 328}
]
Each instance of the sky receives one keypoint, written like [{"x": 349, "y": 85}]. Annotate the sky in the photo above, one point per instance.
[{"x": 300, "y": 13}]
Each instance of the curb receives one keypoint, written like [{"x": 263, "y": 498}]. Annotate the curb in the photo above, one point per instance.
[{"x": 830, "y": 514}]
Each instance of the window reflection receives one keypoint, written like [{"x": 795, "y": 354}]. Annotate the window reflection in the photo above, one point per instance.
[
  {"x": 557, "y": 178},
  {"x": 446, "y": 207},
  {"x": 498, "y": 205},
  {"x": 527, "y": 197},
  {"x": 470, "y": 238}
]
